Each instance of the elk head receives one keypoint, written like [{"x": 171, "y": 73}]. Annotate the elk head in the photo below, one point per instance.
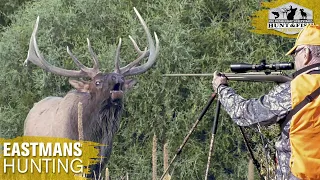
[{"x": 102, "y": 85}]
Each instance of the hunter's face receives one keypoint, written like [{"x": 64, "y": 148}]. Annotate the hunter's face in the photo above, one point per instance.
[{"x": 300, "y": 57}]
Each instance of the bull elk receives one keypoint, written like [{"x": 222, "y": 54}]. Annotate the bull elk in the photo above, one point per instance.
[{"x": 102, "y": 96}]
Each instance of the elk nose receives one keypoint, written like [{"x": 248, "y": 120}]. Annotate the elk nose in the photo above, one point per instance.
[
  {"x": 118, "y": 79},
  {"x": 121, "y": 80}
]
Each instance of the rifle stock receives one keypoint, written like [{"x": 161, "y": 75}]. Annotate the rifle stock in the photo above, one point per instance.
[{"x": 278, "y": 77}]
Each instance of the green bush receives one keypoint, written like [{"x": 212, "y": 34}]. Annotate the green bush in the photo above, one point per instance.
[{"x": 195, "y": 36}]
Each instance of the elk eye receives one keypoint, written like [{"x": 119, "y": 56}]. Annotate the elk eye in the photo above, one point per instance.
[
  {"x": 98, "y": 83},
  {"x": 113, "y": 78}
]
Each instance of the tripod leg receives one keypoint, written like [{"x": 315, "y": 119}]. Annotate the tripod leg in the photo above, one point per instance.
[
  {"x": 190, "y": 132},
  {"x": 255, "y": 162},
  {"x": 214, "y": 130}
]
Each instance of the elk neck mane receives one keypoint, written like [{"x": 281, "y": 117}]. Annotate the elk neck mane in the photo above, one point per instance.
[{"x": 101, "y": 118}]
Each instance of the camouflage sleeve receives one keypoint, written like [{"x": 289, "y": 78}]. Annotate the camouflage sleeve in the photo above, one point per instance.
[{"x": 265, "y": 110}]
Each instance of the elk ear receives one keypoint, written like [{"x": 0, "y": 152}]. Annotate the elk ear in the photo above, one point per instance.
[
  {"x": 81, "y": 86},
  {"x": 129, "y": 83}
]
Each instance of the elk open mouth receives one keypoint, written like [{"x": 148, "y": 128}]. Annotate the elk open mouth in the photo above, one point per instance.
[{"x": 116, "y": 92}]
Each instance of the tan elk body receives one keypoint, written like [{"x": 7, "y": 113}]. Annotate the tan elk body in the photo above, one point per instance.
[{"x": 101, "y": 97}]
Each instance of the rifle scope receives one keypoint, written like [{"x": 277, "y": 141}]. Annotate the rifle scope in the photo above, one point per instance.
[{"x": 243, "y": 67}]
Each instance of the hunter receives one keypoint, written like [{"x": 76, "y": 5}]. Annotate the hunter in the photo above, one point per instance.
[{"x": 295, "y": 105}]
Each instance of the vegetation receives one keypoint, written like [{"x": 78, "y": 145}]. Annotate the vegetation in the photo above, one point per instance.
[{"x": 197, "y": 36}]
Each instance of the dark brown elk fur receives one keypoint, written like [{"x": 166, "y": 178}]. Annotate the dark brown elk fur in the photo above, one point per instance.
[{"x": 102, "y": 97}]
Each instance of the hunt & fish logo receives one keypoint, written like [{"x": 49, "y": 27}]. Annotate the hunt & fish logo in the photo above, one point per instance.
[{"x": 289, "y": 18}]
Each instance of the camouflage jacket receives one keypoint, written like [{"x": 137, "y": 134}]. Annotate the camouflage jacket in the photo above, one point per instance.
[{"x": 266, "y": 110}]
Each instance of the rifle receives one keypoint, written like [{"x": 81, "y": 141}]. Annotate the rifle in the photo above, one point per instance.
[
  {"x": 278, "y": 77},
  {"x": 241, "y": 74}
]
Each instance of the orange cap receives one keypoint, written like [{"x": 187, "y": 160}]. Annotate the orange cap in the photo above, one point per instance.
[{"x": 309, "y": 35}]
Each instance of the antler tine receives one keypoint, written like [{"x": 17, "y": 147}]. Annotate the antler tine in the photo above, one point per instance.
[
  {"x": 117, "y": 58},
  {"x": 94, "y": 56},
  {"x": 152, "y": 53},
  {"x": 36, "y": 58},
  {"x": 136, "y": 47},
  {"x": 91, "y": 72},
  {"x": 142, "y": 54},
  {"x": 135, "y": 62}
]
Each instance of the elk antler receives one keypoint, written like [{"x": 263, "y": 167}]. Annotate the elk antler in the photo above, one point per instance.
[
  {"x": 152, "y": 53},
  {"x": 36, "y": 58}
]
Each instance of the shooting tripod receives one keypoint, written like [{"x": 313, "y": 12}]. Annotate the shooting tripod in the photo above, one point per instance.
[
  {"x": 239, "y": 74},
  {"x": 214, "y": 130}
]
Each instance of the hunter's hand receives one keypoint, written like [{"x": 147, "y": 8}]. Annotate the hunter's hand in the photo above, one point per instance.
[{"x": 218, "y": 79}]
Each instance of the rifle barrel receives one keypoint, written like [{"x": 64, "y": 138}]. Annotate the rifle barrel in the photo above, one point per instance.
[{"x": 278, "y": 77}]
